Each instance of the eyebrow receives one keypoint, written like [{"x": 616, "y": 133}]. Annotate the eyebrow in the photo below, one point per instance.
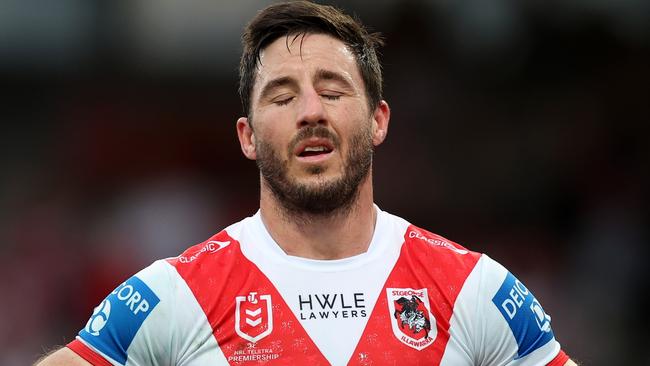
[{"x": 322, "y": 74}]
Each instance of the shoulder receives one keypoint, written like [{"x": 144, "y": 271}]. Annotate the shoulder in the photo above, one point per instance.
[
  {"x": 221, "y": 245},
  {"x": 421, "y": 237},
  {"x": 495, "y": 314},
  {"x": 511, "y": 317},
  {"x": 438, "y": 251},
  {"x": 202, "y": 251},
  {"x": 142, "y": 313},
  {"x": 130, "y": 315}
]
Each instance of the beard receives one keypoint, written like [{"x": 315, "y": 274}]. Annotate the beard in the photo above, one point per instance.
[{"x": 322, "y": 198}]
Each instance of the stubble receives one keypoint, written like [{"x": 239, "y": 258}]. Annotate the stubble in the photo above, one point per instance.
[{"x": 324, "y": 198}]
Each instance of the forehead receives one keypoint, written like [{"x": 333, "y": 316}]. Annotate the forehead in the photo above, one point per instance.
[{"x": 295, "y": 55}]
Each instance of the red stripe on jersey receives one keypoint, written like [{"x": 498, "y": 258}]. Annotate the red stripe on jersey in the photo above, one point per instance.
[
  {"x": 427, "y": 261},
  {"x": 87, "y": 354},
  {"x": 559, "y": 360},
  {"x": 225, "y": 282}
]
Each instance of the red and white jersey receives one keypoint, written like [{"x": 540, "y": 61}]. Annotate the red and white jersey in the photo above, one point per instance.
[{"x": 414, "y": 298}]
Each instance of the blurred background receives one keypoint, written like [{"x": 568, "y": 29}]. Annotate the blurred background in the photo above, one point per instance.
[{"x": 519, "y": 128}]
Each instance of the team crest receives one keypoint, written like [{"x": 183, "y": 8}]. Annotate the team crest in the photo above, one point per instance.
[
  {"x": 253, "y": 316},
  {"x": 411, "y": 318}
]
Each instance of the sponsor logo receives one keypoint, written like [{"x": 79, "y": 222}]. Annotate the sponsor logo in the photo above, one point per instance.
[
  {"x": 332, "y": 306},
  {"x": 253, "y": 316},
  {"x": 99, "y": 318},
  {"x": 529, "y": 324},
  {"x": 209, "y": 247},
  {"x": 114, "y": 323},
  {"x": 437, "y": 242},
  {"x": 543, "y": 320},
  {"x": 411, "y": 318},
  {"x": 253, "y": 354}
]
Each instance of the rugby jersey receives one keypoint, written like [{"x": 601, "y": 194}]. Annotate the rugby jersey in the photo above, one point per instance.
[{"x": 413, "y": 298}]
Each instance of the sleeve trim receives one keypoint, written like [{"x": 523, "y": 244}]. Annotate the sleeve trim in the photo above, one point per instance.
[
  {"x": 87, "y": 354},
  {"x": 559, "y": 360}
]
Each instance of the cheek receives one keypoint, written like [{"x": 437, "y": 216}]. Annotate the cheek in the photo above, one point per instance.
[
  {"x": 270, "y": 128},
  {"x": 356, "y": 122}
]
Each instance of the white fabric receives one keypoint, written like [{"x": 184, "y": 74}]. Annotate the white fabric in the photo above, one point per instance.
[
  {"x": 293, "y": 276},
  {"x": 319, "y": 293}
]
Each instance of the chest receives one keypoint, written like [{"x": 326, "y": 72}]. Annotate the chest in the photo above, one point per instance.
[{"x": 381, "y": 313}]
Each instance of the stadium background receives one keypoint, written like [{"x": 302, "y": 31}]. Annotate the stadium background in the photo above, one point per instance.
[{"x": 519, "y": 128}]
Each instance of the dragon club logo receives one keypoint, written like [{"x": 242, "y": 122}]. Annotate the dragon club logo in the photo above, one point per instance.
[
  {"x": 253, "y": 316},
  {"x": 411, "y": 318}
]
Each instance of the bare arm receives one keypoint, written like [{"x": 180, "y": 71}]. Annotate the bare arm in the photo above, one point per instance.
[
  {"x": 62, "y": 357},
  {"x": 570, "y": 363}
]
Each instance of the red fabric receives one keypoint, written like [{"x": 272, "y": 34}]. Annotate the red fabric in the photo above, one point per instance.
[
  {"x": 446, "y": 274},
  {"x": 288, "y": 344},
  {"x": 87, "y": 354},
  {"x": 559, "y": 360}
]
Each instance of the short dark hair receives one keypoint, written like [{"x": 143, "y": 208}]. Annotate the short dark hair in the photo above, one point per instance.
[{"x": 303, "y": 17}]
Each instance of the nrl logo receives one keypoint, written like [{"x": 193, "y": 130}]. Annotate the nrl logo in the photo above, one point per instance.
[
  {"x": 411, "y": 318},
  {"x": 253, "y": 316}
]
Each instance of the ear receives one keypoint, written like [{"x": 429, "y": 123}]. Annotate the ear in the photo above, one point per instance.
[
  {"x": 246, "y": 138},
  {"x": 381, "y": 117}
]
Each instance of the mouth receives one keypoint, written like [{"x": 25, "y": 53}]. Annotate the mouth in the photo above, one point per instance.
[{"x": 314, "y": 149}]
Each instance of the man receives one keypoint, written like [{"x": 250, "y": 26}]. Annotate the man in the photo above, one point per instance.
[{"x": 320, "y": 275}]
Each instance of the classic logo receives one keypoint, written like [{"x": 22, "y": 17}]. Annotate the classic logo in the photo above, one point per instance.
[
  {"x": 411, "y": 318},
  {"x": 99, "y": 318},
  {"x": 436, "y": 242},
  {"x": 253, "y": 316},
  {"x": 209, "y": 247}
]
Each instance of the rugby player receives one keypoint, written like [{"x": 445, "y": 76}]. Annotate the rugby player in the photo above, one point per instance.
[{"x": 320, "y": 275}]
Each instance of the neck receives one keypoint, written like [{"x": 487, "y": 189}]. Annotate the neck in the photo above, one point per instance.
[{"x": 340, "y": 235}]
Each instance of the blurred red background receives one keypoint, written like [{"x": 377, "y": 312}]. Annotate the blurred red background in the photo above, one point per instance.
[{"x": 518, "y": 128}]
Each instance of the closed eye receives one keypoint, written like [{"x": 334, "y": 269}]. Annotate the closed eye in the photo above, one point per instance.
[
  {"x": 283, "y": 101},
  {"x": 331, "y": 97}
]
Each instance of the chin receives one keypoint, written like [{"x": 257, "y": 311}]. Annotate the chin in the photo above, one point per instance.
[
  {"x": 314, "y": 184},
  {"x": 318, "y": 178}
]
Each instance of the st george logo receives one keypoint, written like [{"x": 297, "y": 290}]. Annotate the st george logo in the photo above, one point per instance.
[
  {"x": 253, "y": 316},
  {"x": 99, "y": 318},
  {"x": 411, "y": 318}
]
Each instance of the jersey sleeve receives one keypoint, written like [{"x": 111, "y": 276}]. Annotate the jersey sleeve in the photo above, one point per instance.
[
  {"x": 512, "y": 327},
  {"x": 131, "y": 325}
]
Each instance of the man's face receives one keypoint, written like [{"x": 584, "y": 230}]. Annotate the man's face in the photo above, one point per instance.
[{"x": 313, "y": 132}]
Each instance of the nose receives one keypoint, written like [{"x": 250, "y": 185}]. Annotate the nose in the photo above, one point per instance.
[{"x": 311, "y": 110}]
